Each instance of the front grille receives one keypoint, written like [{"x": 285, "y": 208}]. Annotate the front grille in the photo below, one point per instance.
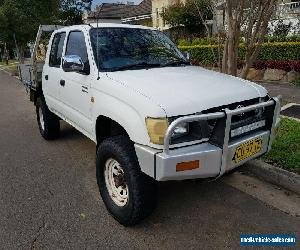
[
  {"x": 232, "y": 106},
  {"x": 247, "y": 118},
  {"x": 214, "y": 130}
]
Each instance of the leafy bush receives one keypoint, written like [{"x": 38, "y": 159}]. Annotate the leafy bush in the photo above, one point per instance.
[
  {"x": 296, "y": 82},
  {"x": 272, "y": 39},
  {"x": 283, "y": 65},
  {"x": 296, "y": 66},
  {"x": 205, "y": 41},
  {"x": 214, "y": 40},
  {"x": 200, "y": 41},
  {"x": 183, "y": 42},
  {"x": 202, "y": 56},
  {"x": 276, "y": 51}
]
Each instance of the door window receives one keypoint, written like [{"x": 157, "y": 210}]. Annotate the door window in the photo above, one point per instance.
[
  {"x": 57, "y": 50},
  {"x": 76, "y": 46}
]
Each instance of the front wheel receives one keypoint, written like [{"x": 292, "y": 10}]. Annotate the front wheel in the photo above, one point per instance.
[
  {"x": 129, "y": 195},
  {"x": 48, "y": 122}
]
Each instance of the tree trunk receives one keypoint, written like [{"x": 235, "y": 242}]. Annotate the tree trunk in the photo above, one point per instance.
[
  {"x": 6, "y": 55},
  {"x": 232, "y": 32},
  {"x": 207, "y": 31},
  {"x": 225, "y": 58},
  {"x": 19, "y": 50},
  {"x": 255, "y": 35},
  {"x": 250, "y": 17},
  {"x": 231, "y": 56},
  {"x": 219, "y": 54}
]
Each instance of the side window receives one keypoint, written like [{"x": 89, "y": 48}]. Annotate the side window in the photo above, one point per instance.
[
  {"x": 76, "y": 46},
  {"x": 57, "y": 50}
]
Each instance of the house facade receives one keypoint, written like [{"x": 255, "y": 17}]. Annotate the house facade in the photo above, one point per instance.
[
  {"x": 121, "y": 13},
  {"x": 149, "y": 13},
  {"x": 288, "y": 11},
  {"x": 108, "y": 13},
  {"x": 140, "y": 14},
  {"x": 158, "y": 7}
]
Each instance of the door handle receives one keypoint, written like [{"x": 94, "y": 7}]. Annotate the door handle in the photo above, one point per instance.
[
  {"x": 46, "y": 77},
  {"x": 62, "y": 82},
  {"x": 84, "y": 89}
]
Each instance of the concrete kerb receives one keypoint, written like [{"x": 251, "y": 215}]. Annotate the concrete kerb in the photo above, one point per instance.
[{"x": 274, "y": 175}]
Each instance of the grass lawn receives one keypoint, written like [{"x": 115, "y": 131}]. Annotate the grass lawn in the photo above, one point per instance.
[
  {"x": 3, "y": 63},
  {"x": 285, "y": 151},
  {"x": 11, "y": 67}
]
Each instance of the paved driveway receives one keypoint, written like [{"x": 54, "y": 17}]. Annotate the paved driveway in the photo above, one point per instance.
[
  {"x": 49, "y": 197},
  {"x": 289, "y": 92}
]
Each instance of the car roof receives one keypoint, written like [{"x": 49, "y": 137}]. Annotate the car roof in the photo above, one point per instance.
[
  {"x": 117, "y": 25},
  {"x": 103, "y": 25}
]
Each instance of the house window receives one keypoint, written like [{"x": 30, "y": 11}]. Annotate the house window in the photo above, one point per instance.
[{"x": 295, "y": 4}]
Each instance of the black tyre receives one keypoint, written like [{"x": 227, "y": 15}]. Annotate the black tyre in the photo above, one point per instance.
[
  {"x": 129, "y": 195},
  {"x": 48, "y": 122}
]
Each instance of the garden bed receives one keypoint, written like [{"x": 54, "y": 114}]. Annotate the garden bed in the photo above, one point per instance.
[{"x": 277, "y": 61}]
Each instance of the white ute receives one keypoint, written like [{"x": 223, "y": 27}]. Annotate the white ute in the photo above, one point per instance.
[{"x": 153, "y": 116}]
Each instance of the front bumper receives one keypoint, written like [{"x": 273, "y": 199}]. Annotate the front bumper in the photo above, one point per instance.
[{"x": 214, "y": 160}]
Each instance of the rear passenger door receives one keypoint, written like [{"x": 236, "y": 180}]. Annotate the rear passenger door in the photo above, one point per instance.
[
  {"x": 75, "y": 93},
  {"x": 52, "y": 71}
]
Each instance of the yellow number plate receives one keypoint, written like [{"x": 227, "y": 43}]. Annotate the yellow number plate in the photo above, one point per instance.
[{"x": 247, "y": 150}]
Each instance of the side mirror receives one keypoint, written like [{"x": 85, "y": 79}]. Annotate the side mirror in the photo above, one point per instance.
[
  {"x": 73, "y": 63},
  {"x": 186, "y": 55}
]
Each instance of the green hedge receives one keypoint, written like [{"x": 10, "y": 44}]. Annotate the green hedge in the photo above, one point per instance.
[
  {"x": 215, "y": 40},
  {"x": 284, "y": 51}
]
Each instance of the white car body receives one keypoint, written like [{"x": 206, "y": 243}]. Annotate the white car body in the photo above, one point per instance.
[{"x": 129, "y": 97}]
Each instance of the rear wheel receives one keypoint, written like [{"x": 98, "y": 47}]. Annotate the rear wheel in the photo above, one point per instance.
[
  {"x": 48, "y": 122},
  {"x": 128, "y": 194}
]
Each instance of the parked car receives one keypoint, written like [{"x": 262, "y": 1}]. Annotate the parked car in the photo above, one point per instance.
[{"x": 153, "y": 116}]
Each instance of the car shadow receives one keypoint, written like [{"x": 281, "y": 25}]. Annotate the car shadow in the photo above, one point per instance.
[
  {"x": 202, "y": 204},
  {"x": 69, "y": 132}
]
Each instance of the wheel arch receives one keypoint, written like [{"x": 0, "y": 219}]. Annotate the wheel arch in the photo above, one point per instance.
[
  {"x": 128, "y": 114},
  {"x": 106, "y": 127},
  {"x": 35, "y": 94}
]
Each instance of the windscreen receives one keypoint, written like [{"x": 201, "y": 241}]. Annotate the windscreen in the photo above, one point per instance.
[{"x": 132, "y": 48}]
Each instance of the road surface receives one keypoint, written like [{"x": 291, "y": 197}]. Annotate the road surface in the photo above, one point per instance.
[{"x": 49, "y": 198}]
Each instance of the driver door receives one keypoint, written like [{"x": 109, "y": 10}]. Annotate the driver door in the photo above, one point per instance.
[{"x": 75, "y": 87}]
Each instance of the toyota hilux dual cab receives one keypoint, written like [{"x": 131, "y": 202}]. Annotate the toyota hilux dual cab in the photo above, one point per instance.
[{"x": 153, "y": 116}]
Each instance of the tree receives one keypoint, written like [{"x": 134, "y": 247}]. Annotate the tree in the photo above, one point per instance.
[
  {"x": 19, "y": 20},
  {"x": 282, "y": 29},
  {"x": 249, "y": 19},
  {"x": 186, "y": 16},
  {"x": 72, "y": 10},
  {"x": 204, "y": 10}
]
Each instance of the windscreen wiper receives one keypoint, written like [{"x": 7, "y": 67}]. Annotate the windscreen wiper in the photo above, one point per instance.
[
  {"x": 137, "y": 66},
  {"x": 176, "y": 63}
]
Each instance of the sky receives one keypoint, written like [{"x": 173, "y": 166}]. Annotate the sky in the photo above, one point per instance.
[{"x": 97, "y": 2}]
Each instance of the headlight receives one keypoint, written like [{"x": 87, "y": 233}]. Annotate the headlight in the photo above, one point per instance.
[
  {"x": 184, "y": 132},
  {"x": 157, "y": 128},
  {"x": 181, "y": 130}
]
